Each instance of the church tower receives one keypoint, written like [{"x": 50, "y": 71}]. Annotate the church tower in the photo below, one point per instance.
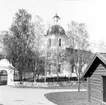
[
  {"x": 56, "y": 40},
  {"x": 55, "y": 35}
]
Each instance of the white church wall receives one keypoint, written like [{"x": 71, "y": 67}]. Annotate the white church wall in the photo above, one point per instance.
[{"x": 66, "y": 68}]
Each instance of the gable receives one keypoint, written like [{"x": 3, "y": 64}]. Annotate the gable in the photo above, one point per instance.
[
  {"x": 99, "y": 71},
  {"x": 93, "y": 66}
]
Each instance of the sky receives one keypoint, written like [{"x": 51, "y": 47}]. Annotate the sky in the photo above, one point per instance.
[{"x": 90, "y": 12}]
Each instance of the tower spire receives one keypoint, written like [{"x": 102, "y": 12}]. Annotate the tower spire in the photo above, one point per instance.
[{"x": 56, "y": 18}]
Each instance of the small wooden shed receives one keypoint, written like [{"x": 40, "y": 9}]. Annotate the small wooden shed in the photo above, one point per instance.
[{"x": 96, "y": 79}]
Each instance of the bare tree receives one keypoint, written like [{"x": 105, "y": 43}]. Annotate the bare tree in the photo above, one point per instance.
[
  {"x": 39, "y": 45},
  {"x": 101, "y": 47},
  {"x": 39, "y": 33},
  {"x": 78, "y": 39}
]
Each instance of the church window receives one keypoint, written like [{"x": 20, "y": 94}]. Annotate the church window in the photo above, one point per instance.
[
  {"x": 59, "y": 42},
  {"x": 72, "y": 68},
  {"x": 59, "y": 66},
  {"x": 49, "y": 43}
]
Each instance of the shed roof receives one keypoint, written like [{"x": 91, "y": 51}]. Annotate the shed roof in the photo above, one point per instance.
[{"x": 96, "y": 60}]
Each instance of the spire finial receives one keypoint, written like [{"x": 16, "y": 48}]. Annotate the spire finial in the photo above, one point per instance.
[{"x": 56, "y": 18}]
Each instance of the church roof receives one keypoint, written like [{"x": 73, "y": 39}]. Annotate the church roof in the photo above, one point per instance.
[
  {"x": 55, "y": 29},
  {"x": 87, "y": 55}
]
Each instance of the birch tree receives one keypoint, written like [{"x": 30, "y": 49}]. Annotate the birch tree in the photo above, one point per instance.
[{"x": 78, "y": 39}]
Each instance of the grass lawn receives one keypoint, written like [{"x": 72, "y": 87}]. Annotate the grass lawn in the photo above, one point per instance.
[
  {"x": 68, "y": 98},
  {"x": 68, "y": 86}
]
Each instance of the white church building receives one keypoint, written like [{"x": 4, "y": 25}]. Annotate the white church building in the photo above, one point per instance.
[{"x": 56, "y": 44}]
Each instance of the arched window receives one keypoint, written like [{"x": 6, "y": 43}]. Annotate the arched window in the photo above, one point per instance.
[
  {"x": 59, "y": 42},
  {"x": 72, "y": 68},
  {"x": 59, "y": 68},
  {"x": 49, "y": 43}
]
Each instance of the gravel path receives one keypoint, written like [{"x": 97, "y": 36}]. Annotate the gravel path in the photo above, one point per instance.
[{"x": 27, "y": 96}]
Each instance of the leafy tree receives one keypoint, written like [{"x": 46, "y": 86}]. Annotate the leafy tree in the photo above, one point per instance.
[
  {"x": 2, "y": 50},
  {"x": 39, "y": 68},
  {"x": 20, "y": 43},
  {"x": 78, "y": 39}
]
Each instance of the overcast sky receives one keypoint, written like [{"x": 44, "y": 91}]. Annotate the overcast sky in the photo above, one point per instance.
[{"x": 90, "y": 12}]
